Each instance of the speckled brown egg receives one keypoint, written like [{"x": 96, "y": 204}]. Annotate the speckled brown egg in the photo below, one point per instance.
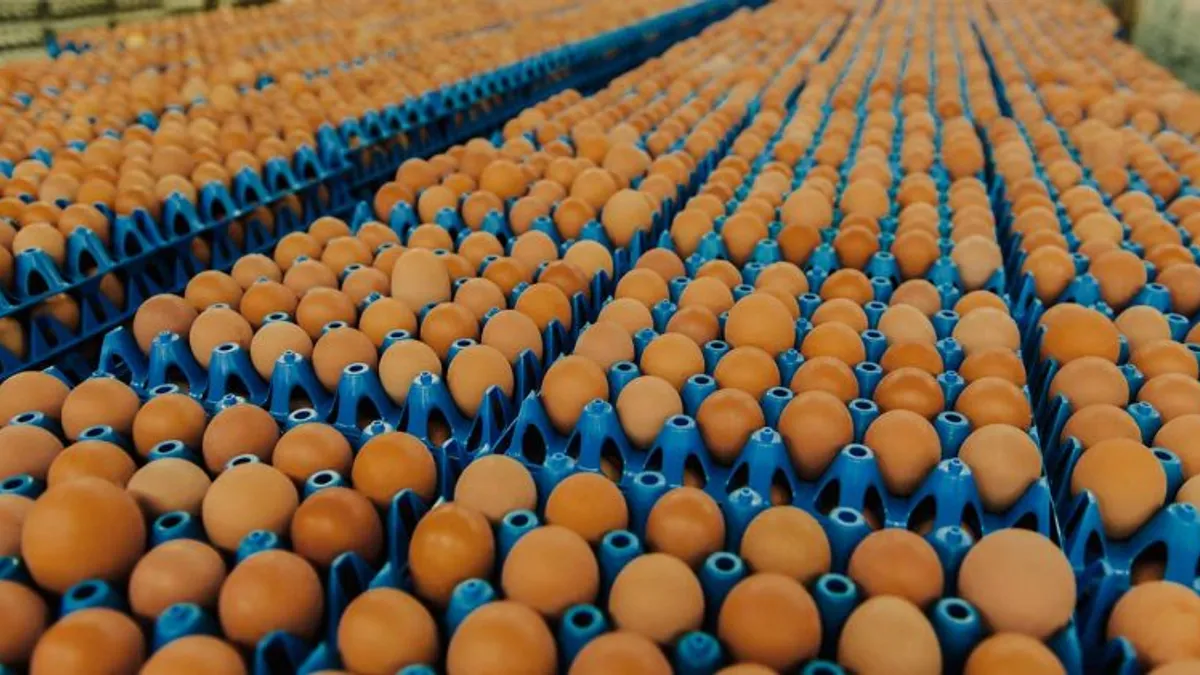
[
  {"x": 815, "y": 426},
  {"x": 786, "y": 540},
  {"x": 644, "y": 405},
  {"x": 182, "y": 570},
  {"x": 504, "y": 632},
  {"x": 897, "y": 562},
  {"x": 335, "y": 520},
  {"x": 195, "y": 655},
  {"x": 992, "y": 400},
  {"x": 245, "y": 498},
  {"x": 1154, "y": 617},
  {"x": 726, "y": 419},
  {"x": 550, "y": 569},
  {"x": 1020, "y": 582},
  {"x": 1012, "y": 653},
  {"x": 451, "y": 544},
  {"x": 589, "y": 504},
  {"x": 770, "y": 619},
  {"x": 657, "y": 596},
  {"x": 270, "y": 591},
  {"x": 889, "y": 635},
  {"x": 97, "y": 640},
  {"x": 162, "y": 313},
  {"x": 907, "y": 448},
  {"x": 109, "y": 534},
  {"x": 176, "y": 417}
]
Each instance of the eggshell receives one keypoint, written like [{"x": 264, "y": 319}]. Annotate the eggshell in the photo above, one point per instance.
[
  {"x": 1091, "y": 380},
  {"x": 686, "y": 523},
  {"x": 402, "y": 363},
  {"x": 266, "y": 297},
  {"x": 169, "y": 484},
  {"x": 708, "y": 292},
  {"x": 1012, "y": 653},
  {"x": 770, "y": 619},
  {"x": 372, "y": 622},
  {"x": 238, "y": 430},
  {"x": 726, "y": 419},
  {"x": 91, "y": 642},
  {"x": 27, "y": 449},
  {"x": 1172, "y": 395},
  {"x": 644, "y": 405},
  {"x": 620, "y": 652},
  {"x": 760, "y": 320},
  {"x": 97, "y": 459},
  {"x": 544, "y": 303},
  {"x": 747, "y": 368},
  {"x": 569, "y": 385},
  {"x": 391, "y": 462},
  {"x": 836, "y": 340},
  {"x": 696, "y": 322},
  {"x": 451, "y": 544},
  {"x": 339, "y": 348},
  {"x": 786, "y": 540},
  {"x": 1154, "y": 617},
  {"x": 195, "y": 655},
  {"x": 1165, "y": 356},
  {"x": 512, "y": 333},
  {"x": 899, "y": 563},
  {"x": 643, "y": 285},
  {"x": 657, "y": 596},
  {"x": 910, "y": 389},
  {"x": 385, "y": 315},
  {"x": 588, "y": 504},
  {"x": 245, "y": 498},
  {"x": 627, "y": 313},
  {"x": 445, "y": 324},
  {"x": 335, "y": 520},
  {"x": 250, "y": 268},
  {"x": 992, "y": 400},
  {"x": 500, "y": 637},
  {"x": 1127, "y": 480},
  {"x": 107, "y": 534},
  {"x": 815, "y": 426},
  {"x": 1020, "y": 582},
  {"x": 550, "y": 569},
  {"x": 918, "y": 293},
  {"x": 271, "y": 341},
  {"x": 1074, "y": 331},
  {"x": 906, "y": 447},
  {"x": 162, "y": 313},
  {"x": 993, "y": 362},
  {"x": 889, "y": 635},
  {"x": 419, "y": 278},
  {"x": 270, "y": 591},
  {"x": 182, "y": 570},
  {"x": 22, "y": 622},
  {"x": 494, "y": 486}
]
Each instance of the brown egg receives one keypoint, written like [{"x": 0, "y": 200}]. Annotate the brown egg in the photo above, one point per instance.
[
  {"x": 402, "y": 363},
  {"x": 987, "y": 328},
  {"x": 182, "y": 570},
  {"x": 500, "y": 636},
  {"x": 1121, "y": 275},
  {"x": 446, "y": 324},
  {"x": 905, "y": 323},
  {"x": 588, "y": 504},
  {"x": 246, "y": 498},
  {"x": 1012, "y": 653},
  {"x": 1004, "y": 461},
  {"x": 338, "y": 349},
  {"x": 26, "y": 449},
  {"x": 13, "y": 511},
  {"x": 627, "y": 313},
  {"x": 1091, "y": 380},
  {"x": 907, "y": 448},
  {"x": 747, "y": 368},
  {"x": 195, "y": 655},
  {"x": 1153, "y": 616},
  {"x": 368, "y": 629},
  {"x": 250, "y": 268},
  {"x": 836, "y": 340},
  {"x": 239, "y": 430},
  {"x": 494, "y": 486},
  {"x": 319, "y": 306},
  {"x": 815, "y": 426},
  {"x": 569, "y": 385},
  {"x": 657, "y": 596},
  {"x": 992, "y": 400},
  {"x": 696, "y": 322},
  {"x": 977, "y": 258},
  {"x": 993, "y": 362},
  {"x": 550, "y": 569},
  {"x": 391, "y": 462},
  {"x": 644, "y": 405},
  {"x": 1165, "y": 356},
  {"x": 662, "y": 261},
  {"x": 22, "y": 622},
  {"x": 270, "y": 591},
  {"x": 159, "y": 314},
  {"x": 686, "y": 523},
  {"x": 786, "y": 540},
  {"x": 543, "y": 303},
  {"x": 770, "y": 619},
  {"x": 511, "y": 333},
  {"x": 1020, "y": 582},
  {"x": 910, "y": 389},
  {"x": 362, "y": 282},
  {"x": 91, "y": 642},
  {"x": 386, "y": 315},
  {"x": 828, "y": 374},
  {"x": 645, "y": 286},
  {"x": 1128, "y": 481},
  {"x": 308, "y": 448},
  {"x": 267, "y": 297},
  {"x": 897, "y": 562},
  {"x": 887, "y": 634},
  {"x": 473, "y": 371},
  {"x": 96, "y": 459},
  {"x": 215, "y": 327},
  {"x": 708, "y": 292},
  {"x": 420, "y": 278},
  {"x": 760, "y": 320},
  {"x": 109, "y": 534},
  {"x": 1172, "y": 395},
  {"x": 333, "y": 521},
  {"x": 1182, "y": 437},
  {"x": 451, "y": 544},
  {"x": 1141, "y": 325},
  {"x": 272, "y": 340},
  {"x": 168, "y": 417},
  {"x": 623, "y": 214},
  {"x": 169, "y": 484},
  {"x": 569, "y": 277},
  {"x": 620, "y": 652},
  {"x": 1073, "y": 331},
  {"x": 726, "y": 419}
]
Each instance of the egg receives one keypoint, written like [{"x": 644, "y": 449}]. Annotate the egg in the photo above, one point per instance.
[
  {"x": 13, "y": 511},
  {"x": 569, "y": 385},
  {"x": 169, "y": 484},
  {"x": 501, "y": 637},
  {"x": 987, "y": 328},
  {"x": 308, "y": 448},
  {"x": 550, "y": 569},
  {"x": 335, "y": 520},
  {"x": 786, "y": 540},
  {"x": 686, "y": 523},
  {"x": 511, "y": 333},
  {"x": 451, "y": 544},
  {"x": 627, "y": 313},
  {"x": 110, "y": 534},
  {"x": 710, "y": 293},
  {"x": 97, "y": 401},
  {"x": 445, "y": 324},
  {"x": 1172, "y": 395},
  {"x": 238, "y": 430},
  {"x": 1152, "y": 616},
  {"x": 266, "y": 297},
  {"x": 246, "y": 498},
  {"x": 385, "y": 315},
  {"x": 887, "y": 634},
  {"x": 906, "y": 447},
  {"x": 162, "y": 314},
  {"x": 250, "y": 268},
  {"x": 899, "y": 563},
  {"x": 372, "y": 622},
  {"x": 992, "y": 400},
  {"x": 657, "y": 596},
  {"x": 1165, "y": 356},
  {"x": 195, "y": 655},
  {"x": 168, "y": 417},
  {"x": 494, "y": 486},
  {"x": 97, "y": 459},
  {"x": 644, "y": 405},
  {"x": 97, "y": 640},
  {"x": 993, "y": 362},
  {"x": 1141, "y": 325},
  {"x": 760, "y": 320},
  {"x": 270, "y": 591},
  {"x": 1074, "y": 331},
  {"x": 621, "y": 652},
  {"x": 589, "y": 504},
  {"x": 22, "y": 622},
  {"x": 178, "y": 571},
  {"x": 402, "y": 363},
  {"x": 1012, "y": 653},
  {"x": 835, "y": 340},
  {"x": 726, "y": 419},
  {"x": 918, "y": 293},
  {"x": 1020, "y": 582},
  {"x": 672, "y": 357},
  {"x": 1127, "y": 480},
  {"x": 747, "y": 368},
  {"x": 391, "y": 462},
  {"x": 1091, "y": 380},
  {"x": 26, "y": 449},
  {"x": 770, "y": 619},
  {"x": 211, "y": 287},
  {"x": 420, "y": 278},
  {"x": 319, "y": 306},
  {"x": 697, "y": 323}
]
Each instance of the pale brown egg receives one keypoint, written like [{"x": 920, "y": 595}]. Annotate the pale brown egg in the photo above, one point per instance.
[
  {"x": 506, "y": 633},
  {"x": 1012, "y": 653},
  {"x": 1153, "y": 616},
  {"x": 335, "y": 520},
  {"x": 402, "y": 363},
  {"x": 162, "y": 313},
  {"x": 657, "y": 596},
  {"x": 420, "y": 278},
  {"x": 992, "y": 400},
  {"x": 897, "y": 562},
  {"x": 986, "y": 328},
  {"x": 835, "y": 340},
  {"x": 27, "y": 449},
  {"x": 550, "y": 569},
  {"x": 272, "y": 340},
  {"x": 786, "y": 540},
  {"x": 993, "y": 362},
  {"x": 195, "y": 655},
  {"x": 451, "y": 544},
  {"x": 169, "y": 484},
  {"x": 1004, "y": 461},
  {"x": 269, "y": 591},
  {"x": 644, "y": 405},
  {"x": 1091, "y": 380},
  {"x": 246, "y": 498},
  {"x": 889, "y": 635},
  {"x": 494, "y": 486},
  {"x": 662, "y": 261},
  {"x": 1127, "y": 480},
  {"x": 905, "y": 323},
  {"x": 620, "y": 652},
  {"x": 1020, "y": 582},
  {"x": 105, "y": 640},
  {"x": 96, "y": 459},
  {"x": 708, "y": 292},
  {"x": 339, "y": 348},
  {"x": 182, "y": 570},
  {"x": 569, "y": 385},
  {"x": 770, "y": 619},
  {"x": 907, "y": 448},
  {"x": 392, "y": 462}
]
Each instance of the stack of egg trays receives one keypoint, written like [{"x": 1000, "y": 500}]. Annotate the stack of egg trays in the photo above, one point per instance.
[
  {"x": 154, "y": 257},
  {"x": 1102, "y": 566}
]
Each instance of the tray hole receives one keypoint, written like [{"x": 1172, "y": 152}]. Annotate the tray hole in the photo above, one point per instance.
[
  {"x": 83, "y": 592},
  {"x": 611, "y": 461},
  {"x": 533, "y": 446},
  {"x": 439, "y": 428},
  {"x": 621, "y": 540},
  {"x": 971, "y": 523},
  {"x": 170, "y": 520},
  {"x": 1150, "y": 564},
  {"x": 519, "y": 520},
  {"x": 958, "y": 611},
  {"x": 299, "y": 399},
  {"x": 781, "y": 489},
  {"x": 11, "y": 484},
  {"x": 583, "y": 620},
  {"x": 921, "y": 518},
  {"x": 836, "y": 585},
  {"x": 873, "y": 509},
  {"x": 739, "y": 479},
  {"x": 693, "y": 472},
  {"x": 830, "y": 497}
]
